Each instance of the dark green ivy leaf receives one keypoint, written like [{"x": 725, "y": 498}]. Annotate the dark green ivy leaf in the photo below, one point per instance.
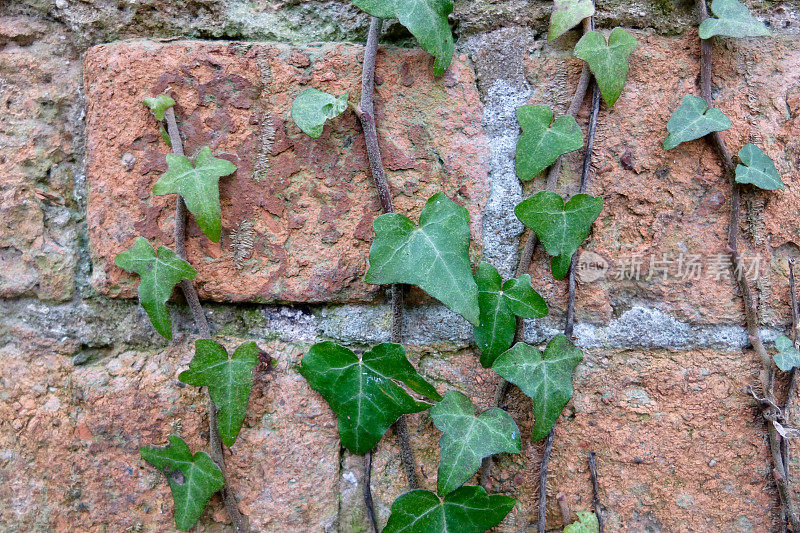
[
  {"x": 499, "y": 302},
  {"x": 159, "y": 274},
  {"x": 757, "y": 168},
  {"x": 734, "y": 20},
  {"x": 692, "y": 120},
  {"x": 540, "y": 143},
  {"x": 567, "y": 14},
  {"x": 313, "y": 108},
  {"x": 465, "y": 510},
  {"x": 561, "y": 227},
  {"x": 788, "y": 357},
  {"x": 361, "y": 390},
  {"x": 159, "y": 104},
  {"x": 467, "y": 438},
  {"x": 544, "y": 377},
  {"x": 229, "y": 381},
  {"x": 198, "y": 184},
  {"x": 433, "y": 256},
  {"x": 607, "y": 61},
  {"x": 377, "y": 8},
  {"x": 193, "y": 479}
]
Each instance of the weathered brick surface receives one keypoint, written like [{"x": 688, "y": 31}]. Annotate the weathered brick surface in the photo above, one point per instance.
[{"x": 310, "y": 203}]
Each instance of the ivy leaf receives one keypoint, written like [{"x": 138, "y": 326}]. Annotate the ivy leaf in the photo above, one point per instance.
[
  {"x": 228, "y": 380},
  {"x": 757, "y": 168},
  {"x": 193, "y": 479},
  {"x": 692, "y": 120},
  {"x": 433, "y": 256},
  {"x": 607, "y": 61},
  {"x": 159, "y": 273},
  {"x": 499, "y": 302},
  {"x": 567, "y": 14},
  {"x": 734, "y": 20},
  {"x": 159, "y": 104},
  {"x": 586, "y": 523},
  {"x": 312, "y": 108},
  {"x": 540, "y": 143},
  {"x": 467, "y": 438},
  {"x": 198, "y": 184},
  {"x": 377, "y": 8},
  {"x": 788, "y": 357},
  {"x": 561, "y": 227},
  {"x": 545, "y": 377},
  {"x": 465, "y": 510},
  {"x": 361, "y": 390}
]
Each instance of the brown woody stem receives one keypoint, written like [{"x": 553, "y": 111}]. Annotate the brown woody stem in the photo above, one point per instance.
[{"x": 598, "y": 508}]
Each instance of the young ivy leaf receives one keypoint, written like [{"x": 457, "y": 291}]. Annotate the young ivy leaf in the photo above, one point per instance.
[
  {"x": 361, "y": 390},
  {"x": 757, "y": 168},
  {"x": 540, "y": 143},
  {"x": 788, "y": 357},
  {"x": 566, "y": 15},
  {"x": 312, "y": 108},
  {"x": 561, "y": 227},
  {"x": 159, "y": 104},
  {"x": 692, "y": 120},
  {"x": 433, "y": 256},
  {"x": 545, "y": 377},
  {"x": 465, "y": 510},
  {"x": 159, "y": 273},
  {"x": 467, "y": 438},
  {"x": 499, "y": 302},
  {"x": 607, "y": 61},
  {"x": 193, "y": 479},
  {"x": 198, "y": 184},
  {"x": 734, "y": 20},
  {"x": 229, "y": 381},
  {"x": 586, "y": 523}
]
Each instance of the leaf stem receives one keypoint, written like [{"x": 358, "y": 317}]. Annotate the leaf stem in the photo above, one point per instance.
[
  {"x": 548, "y": 450},
  {"x": 598, "y": 507},
  {"x": 240, "y": 523},
  {"x": 367, "y": 491}
]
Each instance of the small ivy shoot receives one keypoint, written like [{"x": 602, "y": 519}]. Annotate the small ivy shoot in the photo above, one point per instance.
[
  {"x": 788, "y": 357},
  {"x": 587, "y": 523},
  {"x": 159, "y": 104},
  {"x": 313, "y": 108},
  {"x": 693, "y": 120}
]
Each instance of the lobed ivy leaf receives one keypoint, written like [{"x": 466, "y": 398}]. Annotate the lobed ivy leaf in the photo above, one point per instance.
[
  {"x": 734, "y": 20},
  {"x": 433, "y": 256},
  {"x": 561, "y": 227},
  {"x": 313, "y": 108},
  {"x": 159, "y": 273},
  {"x": 692, "y": 120},
  {"x": 757, "y": 168},
  {"x": 198, "y": 184},
  {"x": 159, "y": 104},
  {"x": 586, "y": 523},
  {"x": 193, "y": 479},
  {"x": 499, "y": 303},
  {"x": 788, "y": 357},
  {"x": 607, "y": 61},
  {"x": 362, "y": 390},
  {"x": 545, "y": 377},
  {"x": 377, "y": 8},
  {"x": 229, "y": 381},
  {"x": 467, "y": 438},
  {"x": 567, "y": 14},
  {"x": 465, "y": 510},
  {"x": 542, "y": 143}
]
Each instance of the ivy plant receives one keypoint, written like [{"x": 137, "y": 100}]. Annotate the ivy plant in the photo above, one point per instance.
[
  {"x": 566, "y": 15},
  {"x": 312, "y": 108},
  {"x": 586, "y": 523},
  {"x": 159, "y": 104},
  {"x": 693, "y": 120},
  {"x": 757, "y": 168},
  {"x": 788, "y": 357},
  {"x": 541, "y": 142},
  {"x": 608, "y": 61},
  {"x": 733, "y": 20}
]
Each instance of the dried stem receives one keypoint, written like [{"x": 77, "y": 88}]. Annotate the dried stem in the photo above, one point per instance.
[
  {"x": 563, "y": 506},
  {"x": 767, "y": 373},
  {"x": 548, "y": 450},
  {"x": 365, "y": 487},
  {"x": 239, "y": 521},
  {"x": 787, "y": 408},
  {"x": 598, "y": 508}
]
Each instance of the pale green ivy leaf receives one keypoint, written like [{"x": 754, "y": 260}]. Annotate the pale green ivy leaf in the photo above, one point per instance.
[
  {"x": 229, "y": 381},
  {"x": 467, "y": 438},
  {"x": 362, "y": 391},
  {"x": 377, "y": 8},
  {"x": 544, "y": 377},
  {"x": 561, "y": 227},
  {"x": 788, "y": 357},
  {"x": 465, "y": 510},
  {"x": 159, "y": 273},
  {"x": 567, "y": 14},
  {"x": 159, "y": 104},
  {"x": 607, "y": 61},
  {"x": 499, "y": 303},
  {"x": 433, "y": 256},
  {"x": 193, "y": 479},
  {"x": 587, "y": 523},
  {"x": 198, "y": 184},
  {"x": 757, "y": 168},
  {"x": 312, "y": 108},
  {"x": 734, "y": 20},
  {"x": 692, "y": 120},
  {"x": 542, "y": 143}
]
